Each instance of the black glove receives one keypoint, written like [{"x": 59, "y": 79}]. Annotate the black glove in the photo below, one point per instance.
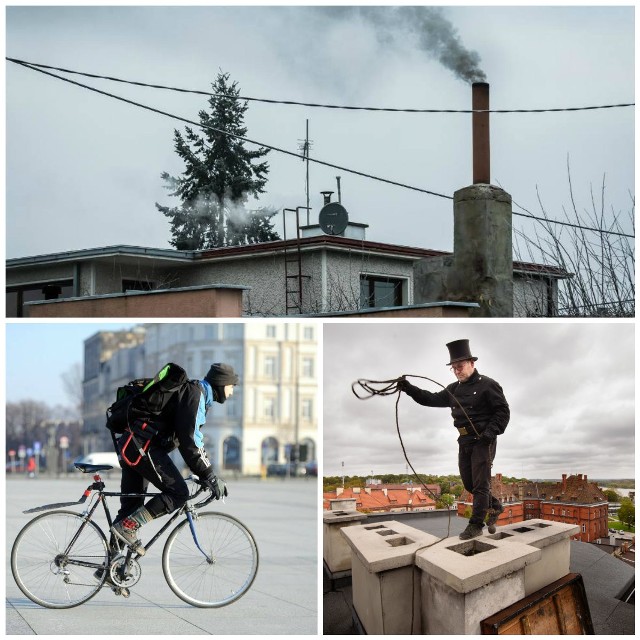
[
  {"x": 216, "y": 485},
  {"x": 487, "y": 437},
  {"x": 403, "y": 384}
]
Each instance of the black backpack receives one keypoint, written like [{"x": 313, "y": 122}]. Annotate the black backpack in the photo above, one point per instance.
[{"x": 144, "y": 399}]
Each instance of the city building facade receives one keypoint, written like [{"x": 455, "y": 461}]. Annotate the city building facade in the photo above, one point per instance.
[
  {"x": 273, "y": 414},
  {"x": 573, "y": 500}
]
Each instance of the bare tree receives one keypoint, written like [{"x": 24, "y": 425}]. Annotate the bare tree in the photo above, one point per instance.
[
  {"x": 595, "y": 246},
  {"x": 72, "y": 384},
  {"x": 26, "y": 422}
]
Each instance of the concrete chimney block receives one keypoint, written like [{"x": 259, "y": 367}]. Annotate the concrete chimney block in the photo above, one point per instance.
[
  {"x": 385, "y": 582},
  {"x": 482, "y": 248},
  {"x": 335, "y": 551},
  {"x": 552, "y": 538},
  {"x": 462, "y": 583}
]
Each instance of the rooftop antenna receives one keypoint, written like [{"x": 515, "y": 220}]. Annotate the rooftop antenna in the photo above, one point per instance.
[{"x": 305, "y": 146}]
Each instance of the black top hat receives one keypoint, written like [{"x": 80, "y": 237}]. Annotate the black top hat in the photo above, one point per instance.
[{"x": 459, "y": 350}]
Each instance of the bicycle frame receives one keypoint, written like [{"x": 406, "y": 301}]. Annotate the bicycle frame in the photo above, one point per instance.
[
  {"x": 99, "y": 486},
  {"x": 61, "y": 559}
]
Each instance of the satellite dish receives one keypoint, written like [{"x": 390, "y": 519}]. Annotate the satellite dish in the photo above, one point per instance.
[{"x": 333, "y": 219}]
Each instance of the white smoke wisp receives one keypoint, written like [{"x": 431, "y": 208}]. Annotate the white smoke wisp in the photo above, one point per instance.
[{"x": 433, "y": 33}]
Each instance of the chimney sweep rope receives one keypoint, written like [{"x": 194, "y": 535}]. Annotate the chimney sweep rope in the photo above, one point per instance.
[{"x": 373, "y": 388}]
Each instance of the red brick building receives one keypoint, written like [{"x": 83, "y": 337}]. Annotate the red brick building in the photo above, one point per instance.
[{"x": 574, "y": 500}]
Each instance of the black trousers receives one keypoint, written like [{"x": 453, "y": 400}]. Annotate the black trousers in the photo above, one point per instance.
[
  {"x": 474, "y": 463},
  {"x": 165, "y": 477}
]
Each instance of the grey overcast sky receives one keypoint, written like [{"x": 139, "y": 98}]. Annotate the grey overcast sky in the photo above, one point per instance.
[
  {"x": 83, "y": 170},
  {"x": 570, "y": 387}
]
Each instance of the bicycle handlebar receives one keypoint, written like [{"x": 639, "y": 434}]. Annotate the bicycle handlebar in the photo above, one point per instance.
[{"x": 202, "y": 487}]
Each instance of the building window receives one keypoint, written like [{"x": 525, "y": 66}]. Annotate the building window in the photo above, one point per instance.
[
  {"x": 269, "y": 450},
  {"x": 231, "y": 454},
  {"x": 270, "y": 367},
  {"x": 17, "y": 296},
  {"x": 307, "y": 409},
  {"x": 271, "y": 331},
  {"x": 308, "y": 333},
  {"x": 207, "y": 360},
  {"x": 584, "y": 528},
  {"x": 380, "y": 291},
  {"x": 137, "y": 285},
  {"x": 307, "y": 450},
  {"x": 307, "y": 367},
  {"x": 269, "y": 408}
]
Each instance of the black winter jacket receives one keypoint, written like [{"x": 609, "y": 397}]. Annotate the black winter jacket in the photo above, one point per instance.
[
  {"x": 481, "y": 397},
  {"x": 182, "y": 419}
]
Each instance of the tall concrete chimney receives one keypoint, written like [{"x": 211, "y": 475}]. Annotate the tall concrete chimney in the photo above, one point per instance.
[{"x": 481, "y": 268}]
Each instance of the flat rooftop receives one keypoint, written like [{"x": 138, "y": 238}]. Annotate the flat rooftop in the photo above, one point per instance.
[{"x": 605, "y": 579}]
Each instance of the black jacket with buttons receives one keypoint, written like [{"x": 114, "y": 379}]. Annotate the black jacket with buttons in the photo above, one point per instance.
[{"x": 482, "y": 399}]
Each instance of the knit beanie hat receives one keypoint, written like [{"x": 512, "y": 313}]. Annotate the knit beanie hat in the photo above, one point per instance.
[{"x": 220, "y": 375}]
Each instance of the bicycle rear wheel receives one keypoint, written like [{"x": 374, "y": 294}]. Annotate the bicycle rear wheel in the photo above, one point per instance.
[
  {"x": 50, "y": 573},
  {"x": 224, "y": 574}
]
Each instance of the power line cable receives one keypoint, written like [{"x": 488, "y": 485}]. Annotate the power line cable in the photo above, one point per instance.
[
  {"x": 313, "y": 104},
  {"x": 233, "y": 135},
  {"x": 280, "y": 150},
  {"x": 571, "y": 224}
]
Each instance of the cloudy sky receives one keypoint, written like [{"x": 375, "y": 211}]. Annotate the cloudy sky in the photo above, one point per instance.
[
  {"x": 570, "y": 388},
  {"x": 83, "y": 170}
]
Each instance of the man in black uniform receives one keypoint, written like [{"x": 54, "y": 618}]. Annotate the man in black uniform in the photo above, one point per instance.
[
  {"x": 480, "y": 414},
  {"x": 181, "y": 421}
]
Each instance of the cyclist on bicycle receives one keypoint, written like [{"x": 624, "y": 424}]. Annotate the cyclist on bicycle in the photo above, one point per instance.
[{"x": 181, "y": 421}]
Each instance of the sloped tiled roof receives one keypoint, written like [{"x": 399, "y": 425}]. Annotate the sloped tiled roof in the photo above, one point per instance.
[
  {"x": 376, "y": 500},
  {"x": 577, "y": 490}
]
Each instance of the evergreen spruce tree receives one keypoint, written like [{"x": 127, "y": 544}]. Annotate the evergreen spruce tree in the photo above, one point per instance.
[{"x": 219, "y": 178}]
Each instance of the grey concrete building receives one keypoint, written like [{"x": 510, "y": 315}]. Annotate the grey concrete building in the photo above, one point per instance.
[{"x": 333, "y": 274}]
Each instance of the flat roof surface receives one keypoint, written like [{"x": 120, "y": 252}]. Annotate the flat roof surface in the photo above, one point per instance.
[{"x": 605, "y": 579}]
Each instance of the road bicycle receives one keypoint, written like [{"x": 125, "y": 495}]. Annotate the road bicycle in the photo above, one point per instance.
[{"x": 61, "y": 559}]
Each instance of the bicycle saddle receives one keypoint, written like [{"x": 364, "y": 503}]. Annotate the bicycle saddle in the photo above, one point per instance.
[{"x": 91, "y": 468}]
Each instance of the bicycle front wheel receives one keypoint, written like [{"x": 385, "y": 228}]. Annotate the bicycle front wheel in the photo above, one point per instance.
[
  {"x": 54, "y": 558},
  {"x": 217, "y": 573}
]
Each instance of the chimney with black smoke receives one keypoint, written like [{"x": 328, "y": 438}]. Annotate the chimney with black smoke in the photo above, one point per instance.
[
  {"x": 481, "y": 268},
  {"x": 480, "y": 133}
]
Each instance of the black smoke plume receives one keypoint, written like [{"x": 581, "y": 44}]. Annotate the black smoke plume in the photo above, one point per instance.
[{"x": 433, "y": 32}]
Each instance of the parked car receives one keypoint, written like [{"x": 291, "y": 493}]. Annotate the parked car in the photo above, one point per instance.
[
  {"x": 312, "y": 468},
  {"x": 283, "y": 470}
]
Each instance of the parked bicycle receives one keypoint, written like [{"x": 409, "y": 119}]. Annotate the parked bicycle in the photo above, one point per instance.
[{"x": 61, "y": 559}]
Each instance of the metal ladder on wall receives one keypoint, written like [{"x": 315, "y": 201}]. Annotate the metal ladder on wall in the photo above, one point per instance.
[{"x": 293, "y": 276}]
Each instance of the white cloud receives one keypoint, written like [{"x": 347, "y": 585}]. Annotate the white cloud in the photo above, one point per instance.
[{"x": 571, "y": 396}]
